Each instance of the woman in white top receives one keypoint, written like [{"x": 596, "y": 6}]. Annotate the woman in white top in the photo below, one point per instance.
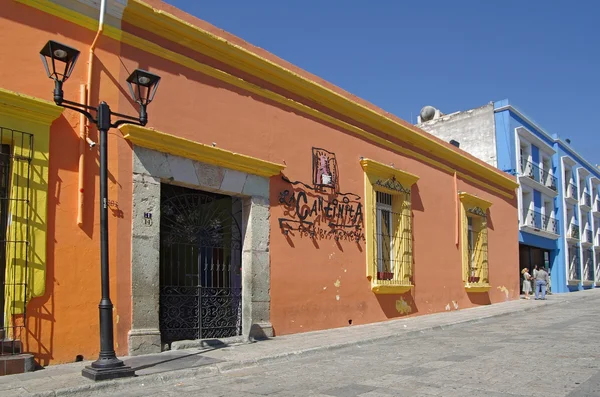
[{"x": 526, "y": 282}]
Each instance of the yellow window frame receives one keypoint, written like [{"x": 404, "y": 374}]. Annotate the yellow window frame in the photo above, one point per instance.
[
  {"x": 33, "y": 116},
  {"x": 475, "y": 266},
  {"x": 383, "y": 178}
]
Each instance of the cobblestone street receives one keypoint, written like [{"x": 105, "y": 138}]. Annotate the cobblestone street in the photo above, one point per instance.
[{"x": 546, "y": 352}]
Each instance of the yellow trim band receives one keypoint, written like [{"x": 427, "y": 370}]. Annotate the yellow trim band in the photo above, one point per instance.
[
  {"x": 391, "y": 289},
  {"x": 29, "y": 219},
  {"x": 178, "y": 31},
  {"x": 475, "y": 201},
  {"x": 373, "y": 167},
  {"x": 27, "y": 108},
  {"x": 137, "y": 9},
  {"x": 477, "y": 288},
  {"x": 177, "y": 146}
]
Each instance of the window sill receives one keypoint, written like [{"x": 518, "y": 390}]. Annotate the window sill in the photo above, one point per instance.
[
  {"x": 479, "y": 287},
  {"x": 391, "y": 289}
]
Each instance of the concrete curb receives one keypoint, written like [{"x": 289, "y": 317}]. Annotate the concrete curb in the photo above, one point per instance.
[{"x": 228, "y": 366}]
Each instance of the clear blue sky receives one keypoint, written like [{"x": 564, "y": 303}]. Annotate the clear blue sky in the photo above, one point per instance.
[{"x": 455, "y": 55}]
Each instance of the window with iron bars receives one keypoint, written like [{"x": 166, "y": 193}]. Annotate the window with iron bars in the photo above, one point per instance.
[
  {"x": 574, "y": 263},
  {"x": 388, "y": 227},
  {"x": 597, "y": 267},
  {"x": 475, "y": 243},
  {"x": 477, "y": 248},
  {"x": 588, "y": 265},
  {"x": 16, "y": 155},
  {"x": 393, "y": 220}
]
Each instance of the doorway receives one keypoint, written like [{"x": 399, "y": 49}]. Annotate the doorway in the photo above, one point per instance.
[
  {"x": 530, "y": 256},
  {"x": 200, "y": 265}
]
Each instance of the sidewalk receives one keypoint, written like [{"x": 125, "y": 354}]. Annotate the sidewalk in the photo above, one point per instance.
[{"x": 156, "y": 369}]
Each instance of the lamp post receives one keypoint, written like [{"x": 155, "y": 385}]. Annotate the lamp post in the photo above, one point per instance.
[{"x": 59, "y": 61}]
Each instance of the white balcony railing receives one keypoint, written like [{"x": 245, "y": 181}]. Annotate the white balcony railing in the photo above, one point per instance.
[
  {"x": 538, "y": 174},
  {"x": 539, "y": 221},
  {"x": 586, "y": 200}
]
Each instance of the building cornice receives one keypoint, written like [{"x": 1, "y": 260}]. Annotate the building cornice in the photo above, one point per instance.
[
  {"x": 569, "y": 160},
  {"x": 471, "y": 199},
  {"x": 559, "y": 141},
  {"x": 28, "y": 108},
  {"x": 531, "y": 138},
  {"x": 516, "y": 111},
  {"x": 386, "y": 171},
  {"x": 167, "y": 143},
  {"x": 582, "y": 172},
  {"x": 183, "y": 33},
  {"x": 178, "y": 31}
]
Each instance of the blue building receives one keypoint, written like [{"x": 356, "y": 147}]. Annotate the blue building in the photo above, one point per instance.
[{"x": 558, "y": 195}]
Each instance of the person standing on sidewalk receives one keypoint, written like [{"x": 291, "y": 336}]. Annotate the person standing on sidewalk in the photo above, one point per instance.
[
  {"x": 526, "y": 282},
  {"x": 541, "y": 282}
]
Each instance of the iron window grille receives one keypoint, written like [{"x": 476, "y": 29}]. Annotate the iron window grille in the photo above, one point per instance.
[
  {"x": 477, "y": 246},
  {"x": 597, "y": 269},
  {"x": 586, "y": 199},
  {"x": 393, "y": 238},
  {"x": 589, "y": 236},
  {"x": 588, "y": 265},
  {"x": 16, "y": 156},
  {"x": 572, "y": 191},
  {"x": 573, "y": 231},
  {"x": 574, "y": 263}
]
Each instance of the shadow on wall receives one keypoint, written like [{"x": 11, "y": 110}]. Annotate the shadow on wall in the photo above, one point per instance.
[
  {"x": 39, "y": 339},
  {"x": 318, "y": 215},
  {"x": 479, "y": 298},
  {"x": 416, "y": 203},
  {"x": 490, "y": 220},
  {"x": 397, "y": 305}
]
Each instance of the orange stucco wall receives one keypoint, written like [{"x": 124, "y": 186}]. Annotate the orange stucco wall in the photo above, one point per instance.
[{"x": 315, "y": 284}]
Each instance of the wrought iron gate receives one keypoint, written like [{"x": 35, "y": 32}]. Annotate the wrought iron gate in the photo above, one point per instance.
[{"x": 200, "y": 265}]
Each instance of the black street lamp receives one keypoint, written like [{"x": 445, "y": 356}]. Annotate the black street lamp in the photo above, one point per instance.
[{"x": 59, "y": 61}]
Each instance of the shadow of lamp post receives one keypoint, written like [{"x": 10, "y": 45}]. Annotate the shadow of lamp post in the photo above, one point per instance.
[{"x": 59, "y": 61}]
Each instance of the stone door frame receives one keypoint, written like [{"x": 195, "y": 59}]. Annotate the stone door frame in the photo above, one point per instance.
[{"x": 150, "y": 169}]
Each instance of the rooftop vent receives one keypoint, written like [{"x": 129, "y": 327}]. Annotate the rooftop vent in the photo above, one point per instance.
[{"x": 455, "y": 143}]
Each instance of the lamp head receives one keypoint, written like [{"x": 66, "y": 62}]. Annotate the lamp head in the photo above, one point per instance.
[
  {"x": 143, "y": 86},
  {"x": 59, "y": 60}
]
